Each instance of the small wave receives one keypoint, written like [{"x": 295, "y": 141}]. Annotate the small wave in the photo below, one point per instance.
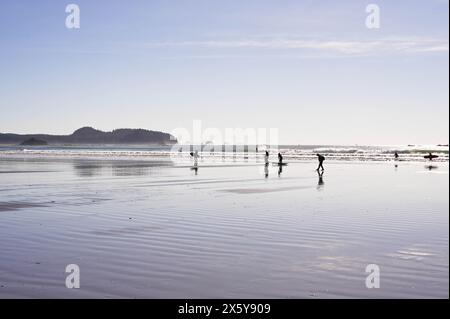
[{"x": 292, "y": 153}]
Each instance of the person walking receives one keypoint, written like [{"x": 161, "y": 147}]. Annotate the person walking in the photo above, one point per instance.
[{"x": 321, "y": 159}]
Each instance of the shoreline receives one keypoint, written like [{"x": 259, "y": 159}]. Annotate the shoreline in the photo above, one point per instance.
[{"x": 214, "y": 158}]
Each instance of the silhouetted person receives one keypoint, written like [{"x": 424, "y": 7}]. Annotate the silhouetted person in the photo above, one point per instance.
[
  {"x": 266, "y": 170},
  {"x": 266, "y": 158},
  {"x": 396, "y": 155},
  {"x": 280, "y": 158},
  {"x": 430, "y": 156},
  {"x": 321, "y": 159}
]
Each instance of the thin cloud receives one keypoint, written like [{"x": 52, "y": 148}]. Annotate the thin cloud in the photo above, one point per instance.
[{"x": 380, "y": 46}]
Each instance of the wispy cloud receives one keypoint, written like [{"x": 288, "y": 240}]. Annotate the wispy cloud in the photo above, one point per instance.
[{"x": 343, "y": 47}]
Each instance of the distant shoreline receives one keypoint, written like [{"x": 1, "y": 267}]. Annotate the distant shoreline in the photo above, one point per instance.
[{"x": 91, "y": 136}]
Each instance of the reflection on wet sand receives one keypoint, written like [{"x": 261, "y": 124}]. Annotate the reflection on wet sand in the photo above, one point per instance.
[
  {"x": 9, "y": 206},
  {"x": 117, "y": 168},
  {"x": 280, "y": 170},
  {"x": 195, "y": 168},
  {"x": 321, "y": 183}
]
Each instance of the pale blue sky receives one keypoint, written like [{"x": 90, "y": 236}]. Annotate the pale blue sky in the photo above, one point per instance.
[{"x": 309, "y": 68}]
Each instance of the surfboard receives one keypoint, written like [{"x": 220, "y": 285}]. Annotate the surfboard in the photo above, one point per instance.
[
  {"x": 279, "y": 164},
  {"x": 430, "y": 156}
]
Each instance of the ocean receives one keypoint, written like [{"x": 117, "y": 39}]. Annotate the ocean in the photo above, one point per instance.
[{"x": 236, "y": 153}]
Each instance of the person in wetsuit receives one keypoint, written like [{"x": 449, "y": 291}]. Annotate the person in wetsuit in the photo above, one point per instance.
[{"x": 280, "y": 158}]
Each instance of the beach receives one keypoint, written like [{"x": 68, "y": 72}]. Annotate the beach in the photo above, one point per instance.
[{"x": 158, "y": 228}]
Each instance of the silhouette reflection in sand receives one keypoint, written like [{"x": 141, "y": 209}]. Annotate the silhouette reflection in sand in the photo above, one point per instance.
[{"x": 321, "y": 183}]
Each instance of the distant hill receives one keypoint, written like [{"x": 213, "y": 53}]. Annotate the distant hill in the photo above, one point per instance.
[
  {"x": 34, "y": 142},
  {"x": 89, "y": 135}
]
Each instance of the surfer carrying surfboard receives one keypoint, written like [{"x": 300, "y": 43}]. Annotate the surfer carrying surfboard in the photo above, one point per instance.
[
  {"x": 430, "y": 156},
  {"x": 280, "y": 159},
  {"x": 321, "y": 159}
]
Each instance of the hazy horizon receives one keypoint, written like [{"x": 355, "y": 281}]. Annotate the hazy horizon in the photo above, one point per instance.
[{"x": 312, "y": 70}]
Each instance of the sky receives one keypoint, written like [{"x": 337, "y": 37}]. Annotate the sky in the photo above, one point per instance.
[{"x": 311, "y": 69}]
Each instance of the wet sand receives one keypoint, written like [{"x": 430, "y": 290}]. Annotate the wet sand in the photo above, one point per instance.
[
  {"x": 9, "y": 206},
  {"x": 157, "y": 229}
]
